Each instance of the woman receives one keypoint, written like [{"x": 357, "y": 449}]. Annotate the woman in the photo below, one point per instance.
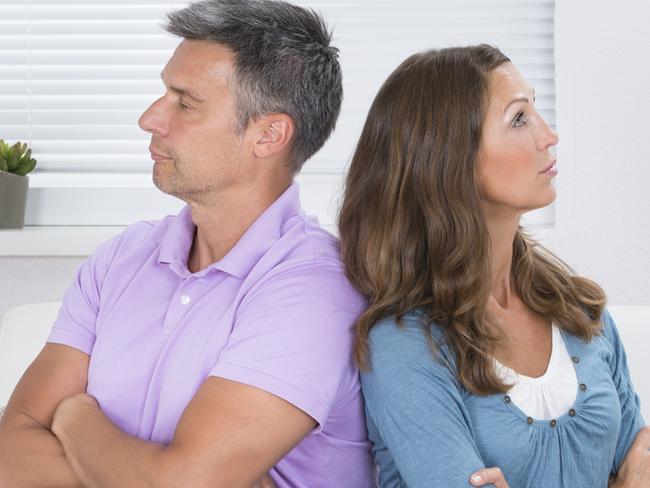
[{"x": 479, "y": 348}]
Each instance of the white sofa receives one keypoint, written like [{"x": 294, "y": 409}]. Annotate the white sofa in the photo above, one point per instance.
[
  {"x": 24, "y": 330},
  {"x": 23, "y": 333}
]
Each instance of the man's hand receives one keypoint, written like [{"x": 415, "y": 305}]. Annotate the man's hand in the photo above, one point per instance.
[
  {"x": 265, "y": 482},
  {"x": 67, "y": 410},
  {"x": 635, "y": 470},
  {"x": 229, "y": 435},
  {"x": 489, "y": 475},
  {"x": 30, "y": 454}
]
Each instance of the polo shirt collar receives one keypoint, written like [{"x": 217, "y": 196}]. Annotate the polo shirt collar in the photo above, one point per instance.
[
  {"x": 265, "y": 231},
  {"x": 177, "y": 241}
]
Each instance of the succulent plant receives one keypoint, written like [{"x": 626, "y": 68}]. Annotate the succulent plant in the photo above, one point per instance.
[{"x": 16, "y": 159}]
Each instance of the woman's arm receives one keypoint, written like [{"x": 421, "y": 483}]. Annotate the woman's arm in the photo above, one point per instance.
[
  {"x": 415, "y": 404},
  {"x": 631, "y": 420},
  {"x": 635, "y": 471}
]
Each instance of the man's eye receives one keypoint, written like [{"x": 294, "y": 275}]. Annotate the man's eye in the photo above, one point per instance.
[
  {"x": 183, "y": 106},
  {"x": 520, "y": 120}
]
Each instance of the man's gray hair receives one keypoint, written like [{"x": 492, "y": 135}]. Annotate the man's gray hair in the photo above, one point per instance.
[{"x": 283, "y": 63}]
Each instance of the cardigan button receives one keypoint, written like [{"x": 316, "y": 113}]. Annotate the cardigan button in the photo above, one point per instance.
[
  {"x": 553, "y": 423},
  {"x": 506, "y": 399},
  {"x": 583, "y": 387},
  {"x": 529, "y": 420},
  {"x": 572, "y": 413},
  {"x": 575, "y": 359}
]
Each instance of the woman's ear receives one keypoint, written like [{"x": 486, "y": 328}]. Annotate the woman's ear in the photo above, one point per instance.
[{"x": 274, "y": 135}]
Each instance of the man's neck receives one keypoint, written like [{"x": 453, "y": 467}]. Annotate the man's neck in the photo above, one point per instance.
[{"x": 221, "y": 222}]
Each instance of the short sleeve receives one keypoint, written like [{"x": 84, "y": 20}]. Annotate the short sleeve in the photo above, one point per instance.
[
  {"x": 292, "y": 337},
  {"x": 631, "y": 419},
  {"x": 75, "y": 324},
  {"x": 414, "y": 402}
]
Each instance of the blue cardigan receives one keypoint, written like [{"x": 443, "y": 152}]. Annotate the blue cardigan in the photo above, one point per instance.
[{"x": 429, "y": 431}]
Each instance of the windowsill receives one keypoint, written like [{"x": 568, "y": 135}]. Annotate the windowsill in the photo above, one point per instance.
[
  {"x": 81, "y": 240},
  {"x": 59, "y": 225},
  {"x": 60, "y": 240},
  {"x": 68, "y": 215}
]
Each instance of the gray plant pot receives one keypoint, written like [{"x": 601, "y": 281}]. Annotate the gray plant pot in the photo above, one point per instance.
[{"x": 13, "y": 200}]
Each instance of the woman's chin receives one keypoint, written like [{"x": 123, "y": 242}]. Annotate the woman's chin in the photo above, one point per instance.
[
  {"x": 539, "y": 203},
  {"x": 545, "y": 198},
  {"x": 552, "y": 195}
]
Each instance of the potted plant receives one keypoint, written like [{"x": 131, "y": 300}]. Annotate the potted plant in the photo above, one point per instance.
[{"x": 15, "y": 163}]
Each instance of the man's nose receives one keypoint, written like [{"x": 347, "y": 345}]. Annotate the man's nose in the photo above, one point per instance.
[{"x": 154, "y": 120}]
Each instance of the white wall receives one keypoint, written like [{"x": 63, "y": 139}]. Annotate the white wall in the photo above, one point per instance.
[
  {"x": 602, "y": 222},
  {"x": 602, "y": 215},
  {"x": 34, "y": 279}
]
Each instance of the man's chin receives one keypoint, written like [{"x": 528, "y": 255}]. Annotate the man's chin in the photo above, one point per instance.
[
  {"x": 166, "y": 187},
  {"x": 161, "y": 184}
]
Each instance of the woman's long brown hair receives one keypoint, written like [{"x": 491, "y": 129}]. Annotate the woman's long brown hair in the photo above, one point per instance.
[{"x": 412, "y": 231}]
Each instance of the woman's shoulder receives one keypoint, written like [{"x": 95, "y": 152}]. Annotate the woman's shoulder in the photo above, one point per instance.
[
  {"x": 411, "y": 327},
  {"x": 609, "y": 330},
  {"x": 411, "y": 338},
  {"x": 611, "y": 338},
  {"x": 607, "y": 337},
  {"x": 408, "y": 363},
  {"x": 606, "y": 343}
]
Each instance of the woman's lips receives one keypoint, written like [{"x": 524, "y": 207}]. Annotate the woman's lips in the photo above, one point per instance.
[{"x": 550, "y": 170}]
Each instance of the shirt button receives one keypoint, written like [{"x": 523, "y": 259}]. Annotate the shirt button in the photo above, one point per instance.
[
  {"x": 185, "y": 299},
  {"x": 529, "y": 420},
  {"x": 583, "y": 387},
  {"x": 575, "y": 359},
  {"x": 553, "y": 423},
  {"x": 572, "y": 413},
  {"x": 506, "y": 399}
]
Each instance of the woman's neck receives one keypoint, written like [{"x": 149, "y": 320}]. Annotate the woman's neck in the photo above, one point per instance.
[{"x": 502, "y": 230}]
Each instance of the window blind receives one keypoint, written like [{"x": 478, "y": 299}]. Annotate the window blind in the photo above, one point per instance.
[{"x": 76, "y": 74}]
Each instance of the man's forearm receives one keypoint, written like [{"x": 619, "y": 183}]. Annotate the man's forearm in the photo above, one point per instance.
[
  {"x": 31, "y": 456},
  {"x": 102, "y": 455}
]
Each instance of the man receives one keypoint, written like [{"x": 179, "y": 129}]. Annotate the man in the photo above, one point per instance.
[{"x": 210, "y": 348}]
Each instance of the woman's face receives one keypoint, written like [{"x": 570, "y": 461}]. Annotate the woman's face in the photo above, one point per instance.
[{"x": 515, "y": 165}]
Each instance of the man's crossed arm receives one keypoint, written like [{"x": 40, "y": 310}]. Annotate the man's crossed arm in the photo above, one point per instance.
[{"x": 53, "y": 434}]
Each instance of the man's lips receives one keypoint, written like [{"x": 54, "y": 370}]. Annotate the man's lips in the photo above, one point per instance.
[{"x": 156, "y": 156}]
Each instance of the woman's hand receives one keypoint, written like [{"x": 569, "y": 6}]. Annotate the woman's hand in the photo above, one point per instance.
[
  {"x": 486, "y": 476},
  {"x": 635, "y": 470}
]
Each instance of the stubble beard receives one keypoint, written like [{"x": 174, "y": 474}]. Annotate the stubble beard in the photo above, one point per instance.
[{"x": 180, "y": 185}]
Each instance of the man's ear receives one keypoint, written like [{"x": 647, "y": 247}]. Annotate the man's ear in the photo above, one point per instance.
[{"x": 273, "y": 135}]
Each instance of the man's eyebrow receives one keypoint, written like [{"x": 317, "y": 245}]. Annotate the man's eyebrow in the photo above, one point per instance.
[
  {"x": 520, "y": 99},
  {"x": 184, "y": 91}
]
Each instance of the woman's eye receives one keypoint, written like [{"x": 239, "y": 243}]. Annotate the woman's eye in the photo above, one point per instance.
[{"x": 520, "y": 120}]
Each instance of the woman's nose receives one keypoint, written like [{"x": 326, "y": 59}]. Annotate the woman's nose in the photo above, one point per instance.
[{"x": 547, "y": 136}]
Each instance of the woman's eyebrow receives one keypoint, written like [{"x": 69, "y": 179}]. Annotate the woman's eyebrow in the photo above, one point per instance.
[{"x": 520, "y": 99}]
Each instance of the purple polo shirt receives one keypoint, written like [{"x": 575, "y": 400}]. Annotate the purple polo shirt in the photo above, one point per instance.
[{"x": 274, "y": 313}]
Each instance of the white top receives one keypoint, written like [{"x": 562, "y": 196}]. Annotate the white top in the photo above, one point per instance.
[{"x": 550, "y": 395}]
